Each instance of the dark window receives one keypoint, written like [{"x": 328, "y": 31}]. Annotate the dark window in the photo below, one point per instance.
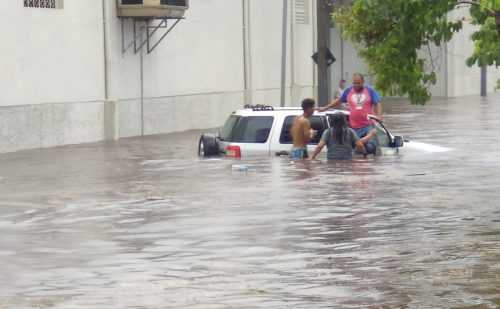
[
  {"x": 174, "y": 2},
  {"x": 226, "y": 131},
  {"x": 131, "y": 2},
  {"x": 318, "y": 123},
  {"x": 247, "y": 129},
  {"x": 252, "y": 129}
]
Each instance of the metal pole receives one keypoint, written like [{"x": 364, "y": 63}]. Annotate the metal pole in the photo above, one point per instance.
[
  {"x": 292, "y": 56},
  {"x": 484, "y": 81},
  {"x": 244, "y": 32},
  {"x": 446, "y": 77},
  {"x": 314, "y": 46},
  {"x": 323, "y": 34},
  {"x": 247, "y": 52},
  {"x": 342, "y": 75},
  {"x": 122, "y": 24},
  {"x": 283, "y": 51},
  {"x": 105, "y": 51},
  {"x": 142, "y": 82}
]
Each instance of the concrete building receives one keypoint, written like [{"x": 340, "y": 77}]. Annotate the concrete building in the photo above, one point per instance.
[
  {"x": 66, "y": 79},
  {"x": 61, "y": 68}
]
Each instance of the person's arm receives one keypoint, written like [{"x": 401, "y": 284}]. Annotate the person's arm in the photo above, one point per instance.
[
  {"x": 378, "y": 111},
  {"x": 318, "y": 149},
  {"x": 377, "y": 104},
  {"x": 368, "y": 137},
  {"x": 333, "y": 104},
  {"x": 357, "y": 143},
  {"x": 360, "y": 147},
  {"x": 323, "y": 141}
]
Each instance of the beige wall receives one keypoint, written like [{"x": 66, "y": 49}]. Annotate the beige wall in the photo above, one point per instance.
[{"x": 54, "y": 60}]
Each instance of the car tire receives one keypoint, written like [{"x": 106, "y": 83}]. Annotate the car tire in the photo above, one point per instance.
[{"x": 208, "y": 146}]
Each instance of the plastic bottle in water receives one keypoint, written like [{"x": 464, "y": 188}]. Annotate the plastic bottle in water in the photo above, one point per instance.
[{"x": 240, "y": 167}]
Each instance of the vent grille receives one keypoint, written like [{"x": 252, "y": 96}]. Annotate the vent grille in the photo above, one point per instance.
[
  {"x": 302, "y": 12},
  {"x": 44, "y": 4}
]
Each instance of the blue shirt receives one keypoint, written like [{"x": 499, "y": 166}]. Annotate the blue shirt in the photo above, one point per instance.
[{"x": 373, "y": 94}]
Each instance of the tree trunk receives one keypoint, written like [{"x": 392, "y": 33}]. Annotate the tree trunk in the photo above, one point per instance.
[{"x": 497, "y": 17}]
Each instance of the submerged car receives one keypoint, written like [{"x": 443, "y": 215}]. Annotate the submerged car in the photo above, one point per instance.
[{"x": 265, "y": 130}]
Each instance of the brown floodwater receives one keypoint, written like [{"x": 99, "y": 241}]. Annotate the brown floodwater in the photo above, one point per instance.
[{"x": 145, "y": 223}]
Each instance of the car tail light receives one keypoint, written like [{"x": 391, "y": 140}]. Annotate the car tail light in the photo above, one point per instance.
[{"x": 233, "y": 151}]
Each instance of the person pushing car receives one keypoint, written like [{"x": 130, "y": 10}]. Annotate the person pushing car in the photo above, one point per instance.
[{"x": 361, "y": 101}]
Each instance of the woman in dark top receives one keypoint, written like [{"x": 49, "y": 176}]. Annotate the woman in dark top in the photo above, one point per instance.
[{"x": 340, "y": 140}]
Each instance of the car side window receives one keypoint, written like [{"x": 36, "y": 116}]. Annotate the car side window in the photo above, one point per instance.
[
  {"x": 286, "y": 136},
  {"x": 252, "y": 129},
  {"x": 318, "y": 123}
]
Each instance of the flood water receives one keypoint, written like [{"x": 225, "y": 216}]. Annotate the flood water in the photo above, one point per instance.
[{"x": 144, "y": 223}]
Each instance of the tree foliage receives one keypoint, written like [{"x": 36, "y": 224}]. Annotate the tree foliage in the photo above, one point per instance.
[{"x": 390, "y": 35}]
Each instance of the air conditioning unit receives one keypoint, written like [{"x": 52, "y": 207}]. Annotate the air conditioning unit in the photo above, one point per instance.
[{"x": 152, "y": 8}]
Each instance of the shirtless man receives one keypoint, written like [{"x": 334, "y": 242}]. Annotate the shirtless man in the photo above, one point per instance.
[{"x": 301, "y": 131}]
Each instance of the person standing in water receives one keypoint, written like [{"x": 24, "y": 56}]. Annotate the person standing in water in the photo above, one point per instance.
[
  {"x": 361, "y": 101},
  {"x": 340, "y": 140},
  {"x": 301, "y": 131}
]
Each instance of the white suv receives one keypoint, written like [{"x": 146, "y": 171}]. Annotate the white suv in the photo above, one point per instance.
[{"x": 265, "y": 130}]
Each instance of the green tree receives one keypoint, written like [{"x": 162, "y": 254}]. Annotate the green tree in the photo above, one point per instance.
[{"x": 391, "y": 35}]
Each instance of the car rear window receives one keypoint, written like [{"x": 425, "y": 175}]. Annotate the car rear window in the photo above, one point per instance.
[
  {"x": 227, "y": 130},
  {"x": 254, "y": 129},
  {"x": 318, "y": 123}
]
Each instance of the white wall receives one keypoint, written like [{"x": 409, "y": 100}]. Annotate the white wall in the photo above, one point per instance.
[
  {"x": 51, "y": 55},
  {"x": 265, "y": 49},
  {"x": 303, "y": 45},
  {"x": 52, "y": 86},
  {"x": 52, "y": 75},
  {"x": 204, "y": 54},
  {"x": 464, "y": 80}
]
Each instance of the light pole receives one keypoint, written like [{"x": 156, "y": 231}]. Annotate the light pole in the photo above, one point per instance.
[{"x": 283, "y": 51}]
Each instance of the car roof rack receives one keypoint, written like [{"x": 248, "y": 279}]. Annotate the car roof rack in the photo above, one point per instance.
[{"x": 259, "y": 107}]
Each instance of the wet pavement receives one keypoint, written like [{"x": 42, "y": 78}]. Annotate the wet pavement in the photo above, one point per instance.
[{"x": 143, "y": 223}]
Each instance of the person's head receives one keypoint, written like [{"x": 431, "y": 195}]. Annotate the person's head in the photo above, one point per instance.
[
  {"x": 339, "y": 123},
  {"x": 308, "y": 107},
  {"x": 358, "y": 81},
  {"x": 342, "y": 83}
]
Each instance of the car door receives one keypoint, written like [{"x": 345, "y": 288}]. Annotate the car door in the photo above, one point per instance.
[{"x": 282, "y": 140}]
